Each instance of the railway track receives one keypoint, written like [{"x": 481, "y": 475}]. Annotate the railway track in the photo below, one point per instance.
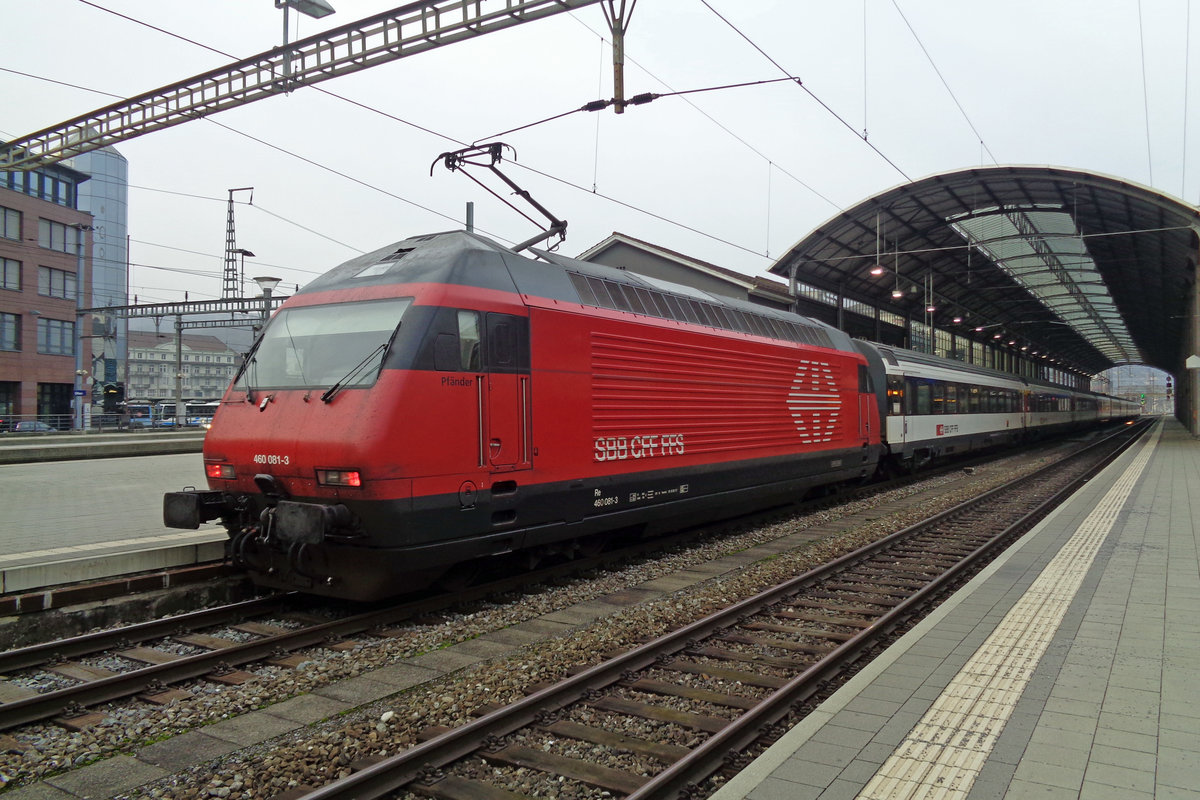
[
  {"x": 660, "y": 719},
  {"x": 146, "y": 659}
]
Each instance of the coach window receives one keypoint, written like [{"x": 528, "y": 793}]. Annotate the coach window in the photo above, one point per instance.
[
  {"x": 923, "y": 399},
  {"x": 939, "y": 398},
  {"x": 973, "y": 400},
  {"x": 468, "y": 340},
  {"x": 952, "y": 398}
]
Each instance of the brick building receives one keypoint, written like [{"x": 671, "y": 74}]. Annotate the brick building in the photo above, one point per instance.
[{"x": 45, "y": 243}]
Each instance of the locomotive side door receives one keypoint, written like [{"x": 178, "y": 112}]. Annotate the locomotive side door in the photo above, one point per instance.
[
  {"x": 866, "y": 404},
  {"x": 508, "y": 438}
]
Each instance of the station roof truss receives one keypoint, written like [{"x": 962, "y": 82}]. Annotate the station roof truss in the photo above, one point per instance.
[{"x": 1084, "y": 270}]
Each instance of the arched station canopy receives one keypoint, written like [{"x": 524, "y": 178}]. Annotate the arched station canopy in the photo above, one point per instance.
[{"x": 1083, "y": 270}]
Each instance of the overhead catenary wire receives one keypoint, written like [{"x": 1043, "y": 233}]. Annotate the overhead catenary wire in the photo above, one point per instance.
[
  {"x": 1187, "y": 46},
  {"x": 712, "y": 119},
  {"x": 636, "y": 100},
  {"x": 623, "y": 204},
  {"x": 945, "y": 83},
  {"x": 1145, "y": 93},
  {"x": 808, "y": 91}
]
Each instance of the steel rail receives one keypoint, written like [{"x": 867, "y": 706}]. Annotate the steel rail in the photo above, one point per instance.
[
  {"x": 393, "y": 773},
  {"x": 709, "y": 756},
  {"x": 33, "y": 709},
  {"x": 37, "y": 654}
]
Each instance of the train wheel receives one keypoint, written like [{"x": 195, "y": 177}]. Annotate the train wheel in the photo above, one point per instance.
[{"x": 459, "y": 577}]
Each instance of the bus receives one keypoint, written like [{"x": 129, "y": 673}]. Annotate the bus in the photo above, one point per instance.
[
  {"x": 197, "y": 414},
  {"x": 142, "y": 415}
]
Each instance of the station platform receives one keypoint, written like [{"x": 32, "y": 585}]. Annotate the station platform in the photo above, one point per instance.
[
  {"x": 1066, "y": 669},
  {"x": 20, "y": 448},
  {"x": 71, "y": 521}
]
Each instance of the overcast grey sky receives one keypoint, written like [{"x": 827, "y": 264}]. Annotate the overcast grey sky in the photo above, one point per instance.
[{"x": 734, "y": 177}]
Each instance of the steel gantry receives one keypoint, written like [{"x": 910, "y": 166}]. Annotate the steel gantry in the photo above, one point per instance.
[
  {"x": 257, "y": 309},
  {"x": 404, "y": 31}
]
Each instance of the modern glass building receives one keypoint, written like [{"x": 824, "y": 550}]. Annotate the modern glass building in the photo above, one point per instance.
[{"x": 106, "y": 197}]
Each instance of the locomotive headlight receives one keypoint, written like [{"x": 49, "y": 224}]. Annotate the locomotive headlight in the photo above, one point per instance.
[
  {"x": 339, "y": 477},
  {"x": 225, "y": 471}
]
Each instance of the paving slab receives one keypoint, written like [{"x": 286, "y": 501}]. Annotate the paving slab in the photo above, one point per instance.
[
  {"x": 184, "y": 750},
  {"x": 357, "y": 691},
  {"x": 108, "y": 777},
  {"x": 252, "y": 728},
  {"x": 308, "y": 708}
]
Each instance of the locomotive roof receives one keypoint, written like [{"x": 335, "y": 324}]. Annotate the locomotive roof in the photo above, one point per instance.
[{"x": 468, "y": 259}]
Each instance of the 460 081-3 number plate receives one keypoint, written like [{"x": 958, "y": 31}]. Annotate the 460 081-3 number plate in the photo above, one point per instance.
[{"x": 271, "y": 459}]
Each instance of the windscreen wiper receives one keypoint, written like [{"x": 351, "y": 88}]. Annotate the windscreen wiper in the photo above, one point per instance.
[{"x": 332, "y": 391}]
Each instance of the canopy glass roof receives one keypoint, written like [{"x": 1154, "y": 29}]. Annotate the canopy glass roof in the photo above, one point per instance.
[
  {"x": 1043, "y": 252},
  {"x": 1082, "y": 270}
]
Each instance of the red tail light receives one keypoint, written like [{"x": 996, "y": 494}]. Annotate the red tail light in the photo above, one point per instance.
[
  {"x": 225, "y": 471},
  {"x": 339, "y": 477}
]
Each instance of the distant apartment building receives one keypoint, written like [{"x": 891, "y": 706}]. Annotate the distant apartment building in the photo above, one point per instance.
[
  {"x": 45, "y": 246},
  {"x": 208, "y": 366}
]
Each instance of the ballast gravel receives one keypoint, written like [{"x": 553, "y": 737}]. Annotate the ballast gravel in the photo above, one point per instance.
[{"x": 323, "y": 752}]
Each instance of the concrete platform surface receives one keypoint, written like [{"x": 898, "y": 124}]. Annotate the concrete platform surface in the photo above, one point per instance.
[
  {"x": 68, "y": 521},
  {"x": 1064, "y": 670}
]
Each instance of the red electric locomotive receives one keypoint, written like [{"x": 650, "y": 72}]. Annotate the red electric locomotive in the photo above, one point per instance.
[{"x": 445, "y": 400}]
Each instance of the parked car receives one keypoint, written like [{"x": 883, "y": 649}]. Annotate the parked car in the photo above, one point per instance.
[{"x": 33, "y": 426}]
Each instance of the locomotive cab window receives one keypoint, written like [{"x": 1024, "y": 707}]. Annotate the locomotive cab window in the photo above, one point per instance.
[{"x": 313, "y": 347}]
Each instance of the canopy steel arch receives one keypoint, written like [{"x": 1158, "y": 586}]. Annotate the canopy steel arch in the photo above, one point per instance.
[
  {"x": 404, "y": 31},
  {"x": 1096, "y": 269}
]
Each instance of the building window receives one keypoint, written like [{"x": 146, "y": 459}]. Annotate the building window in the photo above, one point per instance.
[
  {"x": 10, "y": 223},
  {"x": 10, "y": 392},
  {"x": 10, "y": 274},
  {"x": 56, "y": 283},
  {"x": 56, "y": 337},
  {"x": 57, "y": 236},
  {"x": 10, "y": 332},
  {"x": 54, "y": 403}
]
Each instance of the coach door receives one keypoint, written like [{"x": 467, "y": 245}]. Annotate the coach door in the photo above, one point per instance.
[{"x": 508, "y": 438}]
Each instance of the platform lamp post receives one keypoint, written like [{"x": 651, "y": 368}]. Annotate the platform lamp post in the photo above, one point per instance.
[
  {"x": 268, "y": 287},
  {"x": 80, "y": 392},
  {"x": 243, "y": 252}
]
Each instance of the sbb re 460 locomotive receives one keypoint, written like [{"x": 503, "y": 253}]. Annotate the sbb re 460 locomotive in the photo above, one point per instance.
[{"x": 444, "y": 400}]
